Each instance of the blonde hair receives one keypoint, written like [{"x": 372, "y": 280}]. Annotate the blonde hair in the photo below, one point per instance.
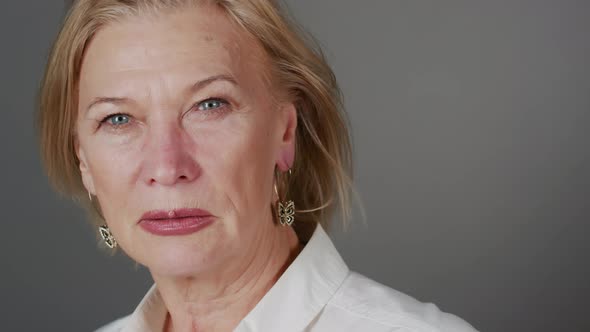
[{"x": 322, "y": 171}]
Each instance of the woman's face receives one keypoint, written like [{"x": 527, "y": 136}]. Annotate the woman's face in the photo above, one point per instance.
[{"x": 175, "y": 112}]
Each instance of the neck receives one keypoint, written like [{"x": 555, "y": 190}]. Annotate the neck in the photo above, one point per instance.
[{"x": 219, "y": 300}]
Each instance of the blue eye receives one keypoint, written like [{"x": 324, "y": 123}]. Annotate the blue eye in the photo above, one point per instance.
[
  {"x": 211, "y": 104},
  {"x": 117, "y": 119}
]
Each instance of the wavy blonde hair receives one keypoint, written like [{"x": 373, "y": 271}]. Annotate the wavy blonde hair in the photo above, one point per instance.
[{"x": 322, "y": 172}]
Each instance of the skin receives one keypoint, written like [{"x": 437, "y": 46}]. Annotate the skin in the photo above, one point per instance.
[{"x": 169, "y": 150}]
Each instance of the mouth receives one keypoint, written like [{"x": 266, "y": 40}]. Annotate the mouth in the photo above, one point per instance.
[{"x": 175, "y": 222}]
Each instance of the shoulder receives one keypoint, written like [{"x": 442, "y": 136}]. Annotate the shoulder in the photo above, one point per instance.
[
  {"x": 368, "y": 300},
  {"x": 114, "y": 326}
]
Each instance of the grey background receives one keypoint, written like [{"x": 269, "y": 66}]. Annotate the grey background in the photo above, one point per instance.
[{"x": 471, "y": 122}]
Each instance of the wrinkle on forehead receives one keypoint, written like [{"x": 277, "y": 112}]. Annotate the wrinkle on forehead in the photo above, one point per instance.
[
  {"x": 214, "y": 40},
  {"x": 201, "y": 24}
]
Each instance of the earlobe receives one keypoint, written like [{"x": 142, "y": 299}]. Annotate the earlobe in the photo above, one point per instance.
[
  {"x": 286, "y": 155},
  {"x": 286, "y": 160}
]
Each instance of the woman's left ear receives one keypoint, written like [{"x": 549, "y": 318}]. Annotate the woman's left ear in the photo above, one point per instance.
[{"x": 286, "y": 155}]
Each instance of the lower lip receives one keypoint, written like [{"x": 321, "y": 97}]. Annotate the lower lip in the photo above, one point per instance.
[{"x": 176, "y": 226}]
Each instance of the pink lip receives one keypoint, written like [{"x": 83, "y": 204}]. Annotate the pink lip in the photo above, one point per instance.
[{"x": 175, "y": 222}]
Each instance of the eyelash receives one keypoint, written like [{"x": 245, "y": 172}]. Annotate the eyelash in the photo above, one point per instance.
[{"x": 223, "y": 105}]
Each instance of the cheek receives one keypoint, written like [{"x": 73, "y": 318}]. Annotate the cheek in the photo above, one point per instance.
[
  {"x": 241, "y": 163},
  {"x": 113, "y": 174}
]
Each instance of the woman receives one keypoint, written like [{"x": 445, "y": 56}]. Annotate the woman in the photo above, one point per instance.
[{"x": 209, "y": 139}]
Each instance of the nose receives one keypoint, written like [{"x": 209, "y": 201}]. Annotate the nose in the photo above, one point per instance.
[{"x": 169, "y": 156}]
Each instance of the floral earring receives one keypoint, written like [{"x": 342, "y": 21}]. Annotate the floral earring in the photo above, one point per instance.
[
  {"x": 108, "y": 238},
  {"x": 105, "y": 232},
  {"x": 286, "y": 210}
]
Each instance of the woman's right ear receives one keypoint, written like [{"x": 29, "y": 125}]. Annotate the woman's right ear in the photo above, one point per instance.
[{"x": 84, "y": 169}]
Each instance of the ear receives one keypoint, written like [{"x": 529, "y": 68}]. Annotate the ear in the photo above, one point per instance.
[
  {"x": 286, "y": 154},
  {"x": 84, "y": 170}
]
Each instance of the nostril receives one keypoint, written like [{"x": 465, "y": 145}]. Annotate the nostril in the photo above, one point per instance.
[{"x": 171, "y": 169}]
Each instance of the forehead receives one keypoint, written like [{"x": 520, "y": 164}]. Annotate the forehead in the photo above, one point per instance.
[{"x": 196, "y": 41}]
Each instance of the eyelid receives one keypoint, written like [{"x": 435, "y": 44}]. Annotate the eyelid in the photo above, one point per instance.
[{"x": 223, "y": 101}]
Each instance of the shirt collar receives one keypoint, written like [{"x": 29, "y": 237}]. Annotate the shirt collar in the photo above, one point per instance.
[
  {"x": 291, "y": 304},
  {"x": 302, "y": 291},
  {"x": 150, "y": 314}
]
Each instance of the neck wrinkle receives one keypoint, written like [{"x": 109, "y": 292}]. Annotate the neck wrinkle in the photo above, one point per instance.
[{"x": 238, "y": 296}]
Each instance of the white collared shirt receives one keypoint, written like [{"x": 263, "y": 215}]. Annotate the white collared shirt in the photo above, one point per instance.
[{"x": 317, "y": 293}]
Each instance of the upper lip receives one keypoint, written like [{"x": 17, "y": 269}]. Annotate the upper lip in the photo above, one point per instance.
[{"x": 177, "y": 213}]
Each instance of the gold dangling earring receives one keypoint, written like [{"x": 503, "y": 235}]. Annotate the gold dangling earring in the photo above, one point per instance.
[
  {"x": 107, "y": 236},
  {"x": 286, "y": 211},
  {"x": 105, "y": 232}
]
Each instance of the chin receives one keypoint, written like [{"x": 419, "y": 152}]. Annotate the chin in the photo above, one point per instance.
[
  {"x": 172, "y": 264},
  {"x": 185, "y": 255}
]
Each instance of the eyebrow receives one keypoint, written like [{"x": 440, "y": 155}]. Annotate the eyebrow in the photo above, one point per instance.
[
  {"x": 204, "y": 82},
  {"x": 192, "y": 89}
]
